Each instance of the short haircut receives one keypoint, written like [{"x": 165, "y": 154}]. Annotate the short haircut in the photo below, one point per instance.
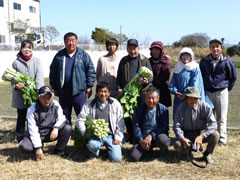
[
  {"x": 69, "y": 34},
  {"x": 102, "y": 85},
  {"x": 152, "y": 90},
  {"x": 111, "y": 41}
]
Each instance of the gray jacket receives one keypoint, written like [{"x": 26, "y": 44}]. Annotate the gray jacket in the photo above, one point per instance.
[
  {"x": 115, "y": 115},
  {"x": 199, "y": 118},
  {"x": 31, "y": 68}
]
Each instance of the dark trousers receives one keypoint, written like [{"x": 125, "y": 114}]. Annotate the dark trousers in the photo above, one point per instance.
[
  {"x": 129, "y": 126},
  {"x": 20, "y": 127},
  {"x": 162, "y": 141},
  {"x": 211, "y": 140},
  {"x": 67, "y": 102},
  {"x": 64, "y": 134}
]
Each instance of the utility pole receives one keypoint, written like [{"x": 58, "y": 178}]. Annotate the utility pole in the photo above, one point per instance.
[{"x": 120, "y": 36}]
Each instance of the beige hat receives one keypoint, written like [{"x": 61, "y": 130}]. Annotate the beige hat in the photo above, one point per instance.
[{"x": 193, "y": 92}]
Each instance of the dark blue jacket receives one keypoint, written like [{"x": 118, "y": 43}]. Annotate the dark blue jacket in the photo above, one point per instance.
[
  {"x": 162, "y": 119},
  {"x": 83, "y": 75},
  {"x": 223, "y": 77}
]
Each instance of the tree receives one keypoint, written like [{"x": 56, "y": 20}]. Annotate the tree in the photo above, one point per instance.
[
  {"x": 100, "y": 35},
  {"x": 232, "y": 51},
  {"x": 51, "y": 33},
  {"x": 196, "y": 39},
  {"x": 222, "y": 40}
]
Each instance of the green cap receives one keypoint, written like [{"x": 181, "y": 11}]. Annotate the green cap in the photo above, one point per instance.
[{"x": 193, "y": 92}]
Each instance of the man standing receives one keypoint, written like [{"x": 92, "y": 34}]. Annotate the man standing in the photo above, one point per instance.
[
  {"x": 109, "y": 109},
  {"x": 219, "y": 76},
  {"x": 46, "y": 123},
  {"x": 194, "y": 123},
  {"x": 150, "y": 125},
  {"x": 72, "y": 76},
  {"x": 127, "y": 69}
]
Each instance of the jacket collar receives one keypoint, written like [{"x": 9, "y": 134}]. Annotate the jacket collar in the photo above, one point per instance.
[
  {"x": 94, "y": 101},
  {"x": 209, "y": 57},
  {"x": 40, "y": 108}
]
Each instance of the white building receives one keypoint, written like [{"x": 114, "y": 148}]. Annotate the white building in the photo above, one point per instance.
[{"x": 18, "y": 17}]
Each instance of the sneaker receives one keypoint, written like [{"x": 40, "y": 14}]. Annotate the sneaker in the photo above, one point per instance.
[
  {"x": 222, "y": 144},
  {"x": 208, "y": 159},
  {"x": 61, "y": 153}
]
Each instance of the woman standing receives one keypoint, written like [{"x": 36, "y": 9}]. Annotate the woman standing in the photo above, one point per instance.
[
  {"x": 30, "y": 66},
  {"x": 108, "y": 65},
  {"x": 161, "y": 72},
  {"x": 186, "y": 74}
]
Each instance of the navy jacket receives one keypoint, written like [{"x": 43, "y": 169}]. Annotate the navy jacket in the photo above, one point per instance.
[
  {"x": 223, "y": 77},
  {"x": 83, "y": 75},
  {"x": 162, "y": 119}
]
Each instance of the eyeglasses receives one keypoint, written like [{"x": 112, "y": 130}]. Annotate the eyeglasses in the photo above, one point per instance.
[{"x": 26, "y": 49}]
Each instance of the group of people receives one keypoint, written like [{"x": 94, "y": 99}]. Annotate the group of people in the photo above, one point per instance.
[{"x": 200, "y": 93}]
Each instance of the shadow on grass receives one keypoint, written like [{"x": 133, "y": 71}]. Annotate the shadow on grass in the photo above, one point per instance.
[
  {"x": 14, "y": 155},
  {"x": 7, "y": 136},
  {"x": 171, "y": 157}
]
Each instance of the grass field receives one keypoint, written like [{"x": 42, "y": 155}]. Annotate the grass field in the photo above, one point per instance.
[{"x": 14, "y": 165}]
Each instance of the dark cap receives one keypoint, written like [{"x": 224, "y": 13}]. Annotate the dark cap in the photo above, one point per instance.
[
  {"x": 44, "y": 90},
  {"x": 215, "y": 40},
  {"x": 193, "y": 92},
  {"x": 132, "y": 42}
]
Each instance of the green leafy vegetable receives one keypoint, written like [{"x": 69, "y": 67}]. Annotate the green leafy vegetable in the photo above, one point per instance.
[
  {"x": 94, "y": 127},
  {"x": 28, "y": 91},
  {"x": 132, "y": 90}
]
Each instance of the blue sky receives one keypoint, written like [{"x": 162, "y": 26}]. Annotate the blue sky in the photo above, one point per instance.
[{"x": 166, "y": 21}]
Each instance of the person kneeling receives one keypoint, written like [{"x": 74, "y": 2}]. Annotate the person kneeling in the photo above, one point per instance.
[
  {"x": 109, "y": 109},
  {"x": 195, "y": 123},
  {"x": 46, "y": 123},
  {"x": 150, "y": 125}
]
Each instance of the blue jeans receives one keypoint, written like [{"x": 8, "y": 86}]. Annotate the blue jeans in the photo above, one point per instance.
[{"x": 114, "y": 150}]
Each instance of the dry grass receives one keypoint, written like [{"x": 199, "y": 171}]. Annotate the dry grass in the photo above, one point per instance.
[
  {"x": 198, "y": 52},
  {"x": 14, "y": 165}
]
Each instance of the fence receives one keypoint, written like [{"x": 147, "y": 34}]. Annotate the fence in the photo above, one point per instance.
[{"x": 57, "y": 47}]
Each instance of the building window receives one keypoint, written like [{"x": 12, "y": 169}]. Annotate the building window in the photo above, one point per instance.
[
  {"x": 32, "y": 9},
  {"x": 18, "y": 39},
  {"x": 2, "y": 39},
  {"x": 1, "y": 3},
  {"x": 17, "y": 6}
]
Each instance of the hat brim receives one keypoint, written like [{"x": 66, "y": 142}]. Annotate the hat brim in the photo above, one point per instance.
[
  {"x": 215, "y": 40},
  {"x": 43, "y": 94},
  {"x": 195, "y": 96}
]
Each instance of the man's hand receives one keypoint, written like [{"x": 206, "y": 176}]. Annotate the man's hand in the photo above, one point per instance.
[
  {"x": 199, "y": 139},
  {"x": 88, "y": 92},
  {"x": 180, "y": 95},
  {"x": 54, "y": 134},
  {"x": 39, "y": 154},
  {"x": 119, "y": 93},
  {"x": 19, "y": 86},
  {"x": 186, "y": 142},
  {"x": 116, "y": 141},
  {"x": 146, "y": 143},
  {"x": 142, "y": 81}
]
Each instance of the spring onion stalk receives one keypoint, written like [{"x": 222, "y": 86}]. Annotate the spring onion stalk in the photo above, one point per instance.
[
  {"x": 132, "y": 90},
  {"x": 28, "y": 92}
]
